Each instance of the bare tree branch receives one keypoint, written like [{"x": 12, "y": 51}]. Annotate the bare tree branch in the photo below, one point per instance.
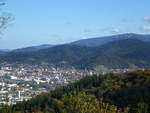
[
  {"x": 2, "y": 3},
  {"x": 5, "y": 18}
]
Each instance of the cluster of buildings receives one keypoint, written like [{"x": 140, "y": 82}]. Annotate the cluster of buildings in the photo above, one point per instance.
[{"x": 20, "y": 82}]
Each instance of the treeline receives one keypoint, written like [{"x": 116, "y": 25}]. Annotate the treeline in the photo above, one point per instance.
[{"x": 120, "y": 93}]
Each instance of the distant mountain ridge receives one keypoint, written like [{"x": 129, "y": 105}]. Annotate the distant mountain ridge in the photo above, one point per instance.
[
  {"x": 126, "y": 53},
  {"x": 33, "y": 48},
  {"x": 4, "y": 51},
  {"x": 93, "y": 42}
]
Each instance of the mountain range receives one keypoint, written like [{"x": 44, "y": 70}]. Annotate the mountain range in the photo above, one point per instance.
[{"x": 118, "y": 51}]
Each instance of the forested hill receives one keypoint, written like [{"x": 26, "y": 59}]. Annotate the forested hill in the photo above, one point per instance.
[
  {"x": 128, "y": 53},
  {"x": 111, "y": 93},
  {"x": 63, "y": 54}
]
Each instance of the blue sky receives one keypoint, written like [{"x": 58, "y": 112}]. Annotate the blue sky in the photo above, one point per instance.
[{"x": 60, "y": 21}]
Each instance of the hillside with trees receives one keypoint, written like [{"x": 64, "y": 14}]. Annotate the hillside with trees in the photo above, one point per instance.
[{"x": 127, "y": 53}]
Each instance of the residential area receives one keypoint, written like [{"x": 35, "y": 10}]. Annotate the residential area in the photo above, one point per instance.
[{"x": 20, "y": 82}]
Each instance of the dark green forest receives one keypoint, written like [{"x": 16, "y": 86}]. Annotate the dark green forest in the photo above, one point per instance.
[
  {"x": 112, "y": 93},
  {"x": 128, "y": 53}
]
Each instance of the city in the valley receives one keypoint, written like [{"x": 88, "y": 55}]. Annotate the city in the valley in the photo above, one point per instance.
[{"x": 19, "y": 82}]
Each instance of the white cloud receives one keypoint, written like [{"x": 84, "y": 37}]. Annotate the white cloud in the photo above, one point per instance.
[
  {"x": 115, "y": 30},
  {"x": 147, "y": 18},
  {"x": 146, "y": 28}
]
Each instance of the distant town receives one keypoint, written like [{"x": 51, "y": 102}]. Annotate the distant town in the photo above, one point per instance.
[{"x": 20, "y": 82}]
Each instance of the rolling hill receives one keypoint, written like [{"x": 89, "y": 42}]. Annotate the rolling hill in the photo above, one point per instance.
[
  {"x": 127, "y": 53},
  {"x": 64, "y": 54}
]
